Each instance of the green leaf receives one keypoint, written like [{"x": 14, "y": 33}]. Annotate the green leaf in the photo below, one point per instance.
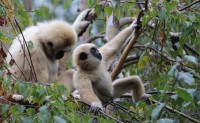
[
  {"x": 13, "y": 109},
  {"x": 186, "y": 77},
  {"x": 114, "y": 3},
  {"x": 4, "y": 108},
  {"x": 183, "y": 93},
  {"x": 30, "y": 45},
  {"x": 108, "y": 10},
  {"x": 191, "y": 59},
  {"x": 143, "y": 62},
  {"x": 165, "y": 120},
  {"x": 66, "y": 4},
  {"x": 172, "y": 70},
  {"x": 91, "y": 3},
  {"x": 98, "y": 10},
  {"x": 31, "y": 112},
  {"x": 25, "y": 119},
  {"x": 161, "y": 14},
  {"x": 118, "y": 13},
  {"x": 156, "y": 111},
  {"x": 59, "y": 119},
  {"x": 20, "y": 108},
  {"x": 7, "y": 84}
]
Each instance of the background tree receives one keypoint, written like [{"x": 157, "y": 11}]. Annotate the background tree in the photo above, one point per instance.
[{"x": 164, "y": 52}]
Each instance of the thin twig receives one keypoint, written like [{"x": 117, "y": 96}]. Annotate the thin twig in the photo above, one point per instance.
[
  {"x": 33, "y": 69},
  {"x": 189, "y": 5},
  {"x": 111, "y": 117},
  {"x": 92, "y": 38},
  {"x": 190, "y": 49},
  {"x": 126, "y": 20},
  {"x": 15, "y": 103},
  {"x": 12, "y": 58},
  {"x": 102, "y": 112},
  {"x": 162, "y": 54},
  {"x": 176, "y": 111}
]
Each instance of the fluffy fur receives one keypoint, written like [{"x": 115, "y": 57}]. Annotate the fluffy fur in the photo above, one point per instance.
[
  {"x": 50, "y": 41},
  {"x": 93, "y": 81},
  {"x": 80, "y": 25}
]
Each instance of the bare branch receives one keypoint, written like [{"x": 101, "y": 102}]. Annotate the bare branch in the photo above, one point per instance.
[
  {"x": 187, "y": 69},
  {"x": 169, "y": 109},
  {"x": 176, "y": 111},
  {"x": 128, "y": 48},
  {"x": 195, "y": 2},
  {"x": 33, "y": 69},
  {"x": 160, "y": 53},
  {"x": 125, "y": 21},
  {"x": 94, "y": 37}
]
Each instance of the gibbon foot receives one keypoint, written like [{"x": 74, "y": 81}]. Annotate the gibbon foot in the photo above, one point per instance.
[{"x": 96, "y": 107}]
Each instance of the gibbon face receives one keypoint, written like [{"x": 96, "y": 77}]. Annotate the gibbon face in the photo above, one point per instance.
[
  {"x": 56, "y": 37},
  {"x": 87, "y": 56}
]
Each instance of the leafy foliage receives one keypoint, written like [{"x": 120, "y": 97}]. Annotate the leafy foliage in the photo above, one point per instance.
[{"x": 168, "y": 63}]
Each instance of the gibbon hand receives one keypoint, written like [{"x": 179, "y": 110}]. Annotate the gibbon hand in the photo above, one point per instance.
[{"x": 83, "y": 20}]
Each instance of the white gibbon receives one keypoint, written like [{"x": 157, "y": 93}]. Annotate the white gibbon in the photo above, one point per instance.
[
  {"x": 80, "y": 25},
  {"x": 50, "y": 41},
  {"x": 93, "y": 81}
]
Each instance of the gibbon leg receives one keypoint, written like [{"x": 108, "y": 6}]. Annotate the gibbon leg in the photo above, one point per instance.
[
  {"x": 66, "y": 78},
  {"x": 132, "y": 83}
]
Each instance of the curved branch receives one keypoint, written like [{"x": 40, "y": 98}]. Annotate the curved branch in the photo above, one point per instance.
[
  {"x": 92, "y": 38},
  {"x": 125, "y": 21},
  {"x": 189, "y": 5}
]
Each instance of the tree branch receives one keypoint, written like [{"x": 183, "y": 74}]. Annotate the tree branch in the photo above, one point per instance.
[
  {"x": 176, "y": 111},
  {"x": 189, "y": 5},
  {"x": 169, "y": 109},
  {"x": 92, "y": 38},
  {"x": 126, "y": 20},
  {"x": 128, "y": 48},
  {"x": 31, "y": 62}
]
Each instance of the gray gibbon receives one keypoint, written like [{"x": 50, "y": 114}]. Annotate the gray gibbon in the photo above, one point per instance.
[{"x": 92, "y": 79}]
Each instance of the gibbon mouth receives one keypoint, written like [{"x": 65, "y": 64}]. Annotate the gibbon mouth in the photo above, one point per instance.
[{"x": 59, "y": 54}]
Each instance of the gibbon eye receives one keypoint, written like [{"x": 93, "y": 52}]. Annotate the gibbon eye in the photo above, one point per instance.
[
  {"x": 83, "y": 56},
  {"x": 50, "y": 44},
  {"x": 59, "y": 55},
  {"x": 93, "y": 50}
]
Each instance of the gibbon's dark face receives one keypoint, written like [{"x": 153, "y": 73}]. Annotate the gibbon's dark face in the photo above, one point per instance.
[
  {"x": 94, "y": 51},
  {"x": 52, "y": 52},
  {"x": 87, "y": 57},
  {"x": 56, "y": 38},
  {"x": 59, "y": 54}
]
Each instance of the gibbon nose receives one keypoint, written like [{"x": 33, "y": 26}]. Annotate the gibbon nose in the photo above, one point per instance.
[
  {"x": 59, "y": 54},
  {"x": 98, "y": 56}
]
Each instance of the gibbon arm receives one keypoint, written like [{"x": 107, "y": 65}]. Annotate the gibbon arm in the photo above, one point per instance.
[
  {"x": 110, "y": 49},
  {"x": 81, "y": 23},
  {"x": 87, "y": 94},
  {"x": 133, "y": 84}
]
